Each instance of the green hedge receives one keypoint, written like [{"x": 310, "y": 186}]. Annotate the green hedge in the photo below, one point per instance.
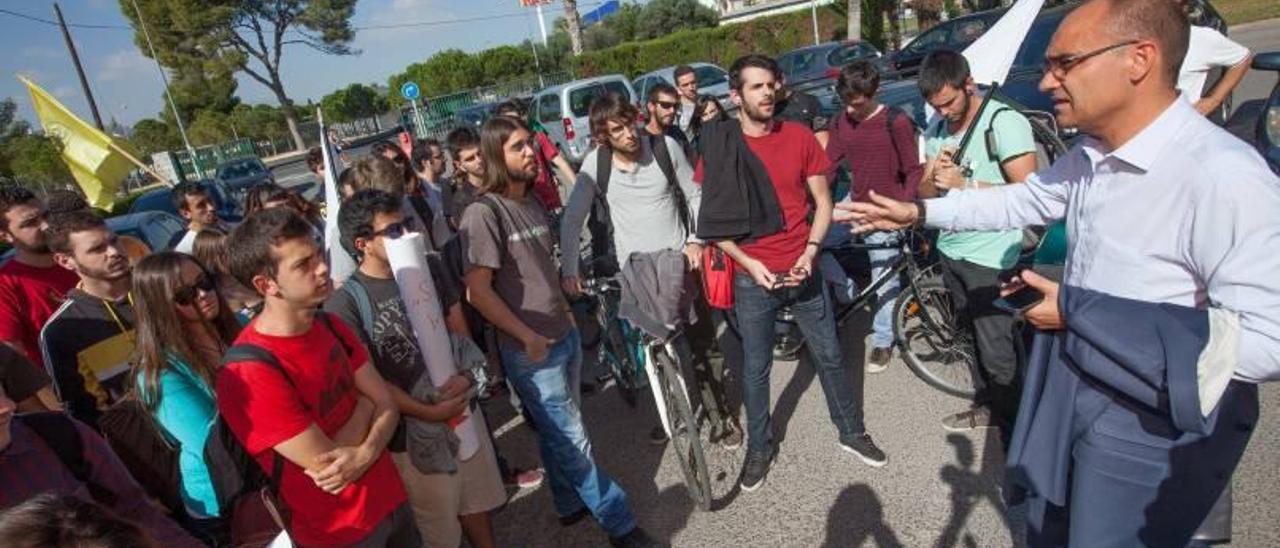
[{"x": 720, "y": 45}]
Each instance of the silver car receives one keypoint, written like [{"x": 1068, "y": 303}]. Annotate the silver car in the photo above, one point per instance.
[
  {"x": 561, "y": 110},
  {"x": 712, "y": 80}
]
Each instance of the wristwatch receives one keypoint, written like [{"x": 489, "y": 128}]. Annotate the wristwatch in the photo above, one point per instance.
[{"x": 920, "y": 212}]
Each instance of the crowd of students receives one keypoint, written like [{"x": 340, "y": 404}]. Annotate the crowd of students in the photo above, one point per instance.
[{"x": 230, "y": 387}]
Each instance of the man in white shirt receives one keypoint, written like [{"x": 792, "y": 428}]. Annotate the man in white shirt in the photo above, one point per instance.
[
  {"x": 1161, "y": 206},
  {"x": 1209, "y": 49},
  {"x": 687, "y": 85},
  {"x": 428, "y": 161},
  {"x": 194, "y": 204}
]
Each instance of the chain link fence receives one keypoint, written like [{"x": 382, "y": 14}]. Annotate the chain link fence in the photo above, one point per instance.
[{"x": 441, "y": 114}]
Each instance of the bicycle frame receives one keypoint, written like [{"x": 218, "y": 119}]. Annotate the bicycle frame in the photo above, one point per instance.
[
  {"x": 653, "y": 345},
  {"x": 905, "y": 262}
]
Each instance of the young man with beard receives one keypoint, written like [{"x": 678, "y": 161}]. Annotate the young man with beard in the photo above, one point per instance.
[
  {"x": 778, "y": 169},
  {"x": 464, "y": 147},
  {"x": 972, "y": 260},
  {"x": 511, "y": 279},
  {"x": 662, "y": 105},
  {"x": 878, "y": 143},
  {"x": 643, "y": 210},
  {"x": 321, "y": 412},
  {"x": 194, "y": 204},
  {"x": 32, "y": 286},
  {"x": 551, "y": 164},
  {"x": 450, "y": 496},
  {"x": 88, "y": 344},
  {"x": 687, "y": 85}
]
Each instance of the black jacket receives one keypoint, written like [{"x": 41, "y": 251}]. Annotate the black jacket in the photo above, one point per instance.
[{"x": 738, "y": 199}]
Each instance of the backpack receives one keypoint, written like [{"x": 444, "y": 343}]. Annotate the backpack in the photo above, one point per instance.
[
  {"x": 59, "y": 432},
  {"x": 600, "y": 224},
  {"x": 146, "y": 450},
  {"x": 893, "y": 113}
]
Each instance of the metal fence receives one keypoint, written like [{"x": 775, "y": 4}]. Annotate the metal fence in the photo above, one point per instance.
[
  {"x": 210, "y": 157},
  {"x": 441, "y": 114}
]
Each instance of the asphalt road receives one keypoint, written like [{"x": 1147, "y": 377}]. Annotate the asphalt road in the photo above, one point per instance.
[{"x": 939, "y": 489}]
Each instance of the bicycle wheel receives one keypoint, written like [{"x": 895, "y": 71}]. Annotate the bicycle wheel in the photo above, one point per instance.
[
  {"x": 926, "y": 329},
  {"x": 621, "y": 361},
  {"x": 685, "y": 438}
]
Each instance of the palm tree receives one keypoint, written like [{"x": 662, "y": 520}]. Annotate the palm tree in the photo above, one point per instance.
[
  {"x": 574, "y": 24},
  {"x": 855, "y": 20}
]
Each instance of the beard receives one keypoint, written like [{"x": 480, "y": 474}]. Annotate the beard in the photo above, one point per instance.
[
  {"x": 757, "y": 112},
  {"x": 110, "y": 273}
]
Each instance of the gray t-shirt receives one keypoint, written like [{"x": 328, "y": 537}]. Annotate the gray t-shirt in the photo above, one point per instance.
[
  {"x": 524, "y": 269},
  {"x": 641, "y": 207}
]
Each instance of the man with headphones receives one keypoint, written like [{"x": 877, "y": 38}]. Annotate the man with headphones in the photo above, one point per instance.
[{"x": 1001, "y": 151}]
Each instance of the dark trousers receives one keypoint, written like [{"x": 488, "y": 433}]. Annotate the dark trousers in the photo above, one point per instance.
[
  {"x": 397, "y": 530},
  {"x": 1137, "y": 481},
  {"x": 708, "y": 373},
  {"x": 974, "y": 287},
  {"x": 756, "y": 309}
]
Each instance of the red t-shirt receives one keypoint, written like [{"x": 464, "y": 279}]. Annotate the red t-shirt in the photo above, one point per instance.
[
  {"x": 28, "y": 297},
  {"x": 263, "y": 410},
  {"x": 791, "y": 154},
  {"x": 544, "y": 187}
]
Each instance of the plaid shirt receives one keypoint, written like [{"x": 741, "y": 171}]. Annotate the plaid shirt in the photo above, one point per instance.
[{"x": 29, "y": 467}]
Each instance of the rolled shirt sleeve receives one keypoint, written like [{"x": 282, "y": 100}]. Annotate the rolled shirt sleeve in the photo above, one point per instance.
[{"x": 1039, "y": 200}]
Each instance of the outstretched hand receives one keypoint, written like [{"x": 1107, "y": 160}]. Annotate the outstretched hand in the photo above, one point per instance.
[{"x": 880, "y": 214}]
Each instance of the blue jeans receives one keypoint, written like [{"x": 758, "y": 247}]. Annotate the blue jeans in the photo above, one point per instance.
[
  {"x": 845, "y": 288},
  {"x": 550, "y": 391},
  {"x": 756, "y": 308}
]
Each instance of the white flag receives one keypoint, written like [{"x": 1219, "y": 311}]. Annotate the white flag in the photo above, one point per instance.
[
  {"x": 341, "y": 263},
  {"x": 991, "y": 55}
]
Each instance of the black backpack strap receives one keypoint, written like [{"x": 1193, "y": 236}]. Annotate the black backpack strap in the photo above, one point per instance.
[
  {"x": 61, "y": 435},
  {"x": 662, "y": 155},
  {"x": 892, "y": 114},
  {"x": 245, "y": 352},
  {"x": 604, "y": 170}
]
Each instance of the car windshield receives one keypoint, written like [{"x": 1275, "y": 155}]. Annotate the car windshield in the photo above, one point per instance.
[
  {"x": 843, "y": 54},
  {"x": 580, "y": 99},
  {"x": 709, "y": 76},
  {"x": 239, "y": 169}
]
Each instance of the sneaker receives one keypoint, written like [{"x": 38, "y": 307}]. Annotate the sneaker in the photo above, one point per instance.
[
  {"x": 571, "y": 519},
  {"x": 658, "y": 435},
  {"x": 973, "y": 419},
  {"x": 637, "y": 538},
  {"x": 862, "y": 446},
  {"x": 524, "y": 479},
  {"x": 730, "y": 436},
  {"x": 879, "y": 359},
  {"x": 754, "y": 470}
]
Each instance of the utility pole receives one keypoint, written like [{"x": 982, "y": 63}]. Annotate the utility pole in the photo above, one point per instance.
[
  {"x": 542, "y": 23},
  {"x": 177, "y": 116},
  {"x": 813, "y": 11},
  {"x": 75, "y": 59}
]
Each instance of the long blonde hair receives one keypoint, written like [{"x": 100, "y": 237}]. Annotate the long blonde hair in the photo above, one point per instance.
[{"x": 160, "y": 330}]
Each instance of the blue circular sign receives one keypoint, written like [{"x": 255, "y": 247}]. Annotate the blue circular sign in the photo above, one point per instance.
[{"x": 409, "y": 90}]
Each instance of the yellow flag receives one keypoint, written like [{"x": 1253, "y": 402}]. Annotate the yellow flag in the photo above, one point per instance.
[{"x": 95, "y": 158}]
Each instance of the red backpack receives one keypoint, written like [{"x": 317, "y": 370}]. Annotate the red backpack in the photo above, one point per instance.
[{"x": 717, "y": 277}]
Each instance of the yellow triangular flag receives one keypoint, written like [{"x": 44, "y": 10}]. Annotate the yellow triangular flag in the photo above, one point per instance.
[{"x": 97, "y": 161}]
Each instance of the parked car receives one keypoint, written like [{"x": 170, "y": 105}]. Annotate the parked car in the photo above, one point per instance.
[
  {"x": 1260, "y": 119},
  {"x": 562, "y": 111},
  {"x": 1022, "y": 84},
  {"x": 157, "y": 229},
  {"x": 712, "y": 80},
  {"x": 229, "y": 208},
  {"x": 954, "y": 34},
  {"x": 814, "y": 69},
  {"x": 239, "y": 175},
  {"x": 474, "y": 116}
]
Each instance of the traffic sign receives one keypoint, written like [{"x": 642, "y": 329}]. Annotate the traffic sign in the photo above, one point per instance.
[{"x": 410, "y": 91}]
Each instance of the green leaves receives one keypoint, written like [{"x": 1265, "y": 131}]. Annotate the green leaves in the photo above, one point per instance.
[{"x": 353, "y": 102}]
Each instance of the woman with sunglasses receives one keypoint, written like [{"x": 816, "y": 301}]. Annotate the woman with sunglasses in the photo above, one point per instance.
[
  {"x": 210, "y": 249},
  {"x": 184, "y": 327},
  {"x": 706, "y": 110}
]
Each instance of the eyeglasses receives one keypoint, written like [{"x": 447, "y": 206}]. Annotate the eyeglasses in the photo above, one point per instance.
[
  {"x": 1059, "y": 65},
  {"x": 394, "y": 231},
  {"x": 666, "y": 104},
  {"x": 186, "y": 295}
]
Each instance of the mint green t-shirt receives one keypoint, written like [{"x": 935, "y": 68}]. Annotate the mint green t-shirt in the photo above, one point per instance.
[{"x": 990, "y": 248}]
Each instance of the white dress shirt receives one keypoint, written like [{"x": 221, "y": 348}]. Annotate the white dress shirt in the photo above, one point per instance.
[
  {"x": 1207, "y": 49},
  {"x": 1183, "y": 213}
]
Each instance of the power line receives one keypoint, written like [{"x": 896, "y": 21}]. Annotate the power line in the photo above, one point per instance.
[{"x": 54, "y": 23}]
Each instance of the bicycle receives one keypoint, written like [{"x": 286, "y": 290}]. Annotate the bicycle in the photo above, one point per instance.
[
  {"x": 926, "y": 325},
  {"x": 666, "y": 382},
  {"x": 620, "y": 345}
]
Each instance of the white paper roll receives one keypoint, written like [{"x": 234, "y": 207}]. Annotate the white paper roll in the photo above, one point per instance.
[{"x": 408, "y": 257}]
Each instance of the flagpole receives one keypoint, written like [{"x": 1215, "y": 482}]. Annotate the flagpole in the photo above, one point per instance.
[
  {"x": 182, "y": 130},
  {"x": 144, "y": 167},
  {"x": 75, "y": 60}
]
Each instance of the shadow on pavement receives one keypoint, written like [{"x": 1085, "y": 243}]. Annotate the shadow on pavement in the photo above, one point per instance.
[
  {"x": 971, "y": 484},
  {"x": 856, "y": 517}
]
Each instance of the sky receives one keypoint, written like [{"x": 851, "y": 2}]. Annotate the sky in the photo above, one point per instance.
[{"x": 127, "y": 86}]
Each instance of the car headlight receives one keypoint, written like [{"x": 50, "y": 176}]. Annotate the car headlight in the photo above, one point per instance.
[{"x": 1273, "y": 125}]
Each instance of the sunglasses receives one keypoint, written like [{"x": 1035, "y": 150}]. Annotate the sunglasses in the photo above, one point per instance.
[
  {"x": 666, "y": 104},
  {"x": 394, "y": 231},
  {"x": 186, "y": 295}
]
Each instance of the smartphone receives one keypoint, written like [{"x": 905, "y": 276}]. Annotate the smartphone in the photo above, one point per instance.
[{"x": 1019, "y": 301}]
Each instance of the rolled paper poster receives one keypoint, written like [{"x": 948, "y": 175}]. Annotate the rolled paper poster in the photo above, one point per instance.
[{"x": 408, "y": 257}]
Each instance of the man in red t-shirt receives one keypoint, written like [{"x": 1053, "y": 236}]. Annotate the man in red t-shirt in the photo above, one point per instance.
[
  {"x": 330, "y": 415},
  {"x": 545, "y": 187},
  {"x": 776, "y": 270},
  {"x": 31, "y": 285}
]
